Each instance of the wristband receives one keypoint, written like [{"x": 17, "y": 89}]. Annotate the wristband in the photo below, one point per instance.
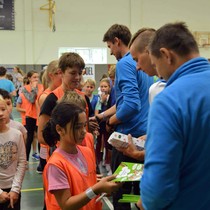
[{"x": 90, "y": 194}]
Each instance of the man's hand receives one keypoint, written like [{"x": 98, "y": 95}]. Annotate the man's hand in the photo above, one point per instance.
[
  {"x": 131, "y": 150},
  {"x": 139, "y": 204}
]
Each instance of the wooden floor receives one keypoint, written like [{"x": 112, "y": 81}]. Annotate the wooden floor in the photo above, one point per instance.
[{"x": 32, "y": 189}]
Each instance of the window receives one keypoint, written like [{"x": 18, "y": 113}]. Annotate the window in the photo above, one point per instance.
[{"x": 90, "y": 55}]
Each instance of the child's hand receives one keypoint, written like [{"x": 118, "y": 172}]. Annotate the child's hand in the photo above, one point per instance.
[
  {"x": 4, "y": 197},
  {"x": 106, "y": 185},
  {"x": 104, "y": 97},
  {"x": 34, "y": 84},
  {"x": 13, "y": 198},
  {"x": 93, "y": 126},
  {"x": 99, "y": 177}
]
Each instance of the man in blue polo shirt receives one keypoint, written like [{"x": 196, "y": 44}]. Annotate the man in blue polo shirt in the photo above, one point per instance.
[
  {"x": 176, "y": 170},
  {"x": 129, "y": 115}
]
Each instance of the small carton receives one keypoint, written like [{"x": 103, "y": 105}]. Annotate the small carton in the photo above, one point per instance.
[{"x": 121, "y": 140}]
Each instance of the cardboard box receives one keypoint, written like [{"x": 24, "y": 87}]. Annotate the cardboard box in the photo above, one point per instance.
[{"x": 121, "y": 140}]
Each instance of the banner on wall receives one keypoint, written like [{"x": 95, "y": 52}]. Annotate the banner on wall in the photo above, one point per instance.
[
  {"x": 89, "y": 72},
  {"x": 7, "y": 21}
]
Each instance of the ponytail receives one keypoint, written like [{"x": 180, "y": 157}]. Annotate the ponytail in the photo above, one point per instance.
[{"x": 50, "y": 134}]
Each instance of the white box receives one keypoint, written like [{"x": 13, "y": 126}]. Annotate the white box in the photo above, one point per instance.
[{"x": 121, "y": 140}]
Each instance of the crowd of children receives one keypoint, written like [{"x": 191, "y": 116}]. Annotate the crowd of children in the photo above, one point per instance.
[{"x": 86, "y": 139}]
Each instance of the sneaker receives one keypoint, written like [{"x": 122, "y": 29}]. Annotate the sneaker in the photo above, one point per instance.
[
  {"x": 39, "y": 171},
  {"x": 35, "y": 156}
]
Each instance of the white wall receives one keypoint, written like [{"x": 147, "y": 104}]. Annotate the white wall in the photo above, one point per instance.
[{"x": 82, "y": 23}]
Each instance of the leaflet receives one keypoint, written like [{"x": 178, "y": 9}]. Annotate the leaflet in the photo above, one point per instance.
[{"x": 127, "y": 172}]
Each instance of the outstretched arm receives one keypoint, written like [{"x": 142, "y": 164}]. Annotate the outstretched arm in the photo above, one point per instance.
[{"x": 66, "y": 201}]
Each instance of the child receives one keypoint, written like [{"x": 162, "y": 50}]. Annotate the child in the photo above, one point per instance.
[
  {"x": 30, "y": 93},
  {"x": 12, "y": 162},
  {"x": 11, "y": 123},
  {"x": 51, "y": 79},
  {"x": 69, "y": 176},
  {"x": 21, "y": 106},
  {"x": 104, "y": 103},
  {"x": 74, "y": 98},
  {"x": 89, "y": 87}
]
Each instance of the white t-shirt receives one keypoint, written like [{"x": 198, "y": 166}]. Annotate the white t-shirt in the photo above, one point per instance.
[
  {"x": 12, "y": 160},
  {"x": 156, "y": 88}
]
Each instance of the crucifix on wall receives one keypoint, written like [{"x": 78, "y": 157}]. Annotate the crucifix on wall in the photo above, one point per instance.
[{"x": 50, "y": 6}]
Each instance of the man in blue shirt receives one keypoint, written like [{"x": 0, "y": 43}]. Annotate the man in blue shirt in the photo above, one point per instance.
[
  {"x": 129, "y": 115},
  {"x": 176, "y": 171}
]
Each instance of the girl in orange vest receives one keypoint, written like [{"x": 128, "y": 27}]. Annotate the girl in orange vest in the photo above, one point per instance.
[
  {"x": 30, "y": 93},
  {"x": 51, "y": 79},
  {"x": 69, "y": 176}
]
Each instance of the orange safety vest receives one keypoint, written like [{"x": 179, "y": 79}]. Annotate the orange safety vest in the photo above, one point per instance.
[
  {"x": 59, "y": 94},
  {"x": 78, "y": 181},
  {"x": 31, "y": 108},
  {"x": 89, "y": 142}
]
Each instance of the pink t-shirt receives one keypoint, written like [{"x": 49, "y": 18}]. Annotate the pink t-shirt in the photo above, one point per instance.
[{"x": 57, "y": 179}]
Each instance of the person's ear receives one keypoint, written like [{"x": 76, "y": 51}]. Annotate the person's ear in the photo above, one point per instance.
[
  {"x": 166, "y": 54},
  {"x": 59, "y": 130},
  {"x": 50, "y": 75},
  {"x": 117, "y": 41},
  {"x": 146, "y": 50}
]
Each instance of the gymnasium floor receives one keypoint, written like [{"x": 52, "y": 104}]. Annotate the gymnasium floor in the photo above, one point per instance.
[{"x": 32, "y": 189}]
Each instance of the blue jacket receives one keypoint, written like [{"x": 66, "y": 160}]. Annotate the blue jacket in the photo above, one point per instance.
[
  {"x": 132, "y": 104},
  {"x": 177, "y": 163}
]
